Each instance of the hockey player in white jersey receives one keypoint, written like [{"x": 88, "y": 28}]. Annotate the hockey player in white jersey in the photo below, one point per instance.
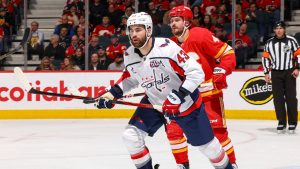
[{"x": 170, "y": 78}]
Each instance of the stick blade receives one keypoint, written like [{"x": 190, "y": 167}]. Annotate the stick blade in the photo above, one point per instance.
[{"x": 22, "y": 79}]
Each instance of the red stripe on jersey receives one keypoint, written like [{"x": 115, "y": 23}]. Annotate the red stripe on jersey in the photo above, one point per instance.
[
  {"x": 196, "y": 104},
  {"x": 220, "y": 158},
  {"x": 124, "y": 76},
  {"x": 176, "y": 68},
  {"x": 141, "y": 154}
]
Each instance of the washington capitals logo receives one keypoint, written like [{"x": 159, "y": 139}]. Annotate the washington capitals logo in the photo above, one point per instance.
[
  {"x": 155, "y": 81},
  {"x": 165, "y": 44}
]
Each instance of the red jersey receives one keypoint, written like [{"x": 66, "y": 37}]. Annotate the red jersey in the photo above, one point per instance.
[
  {"x": 241, "y": 39},
  {"x": 265, "y": 4},
  {"x": 101, "y": 30},
  {"x": 113, "y": 51},
  {"x": 210, "y": 52}
]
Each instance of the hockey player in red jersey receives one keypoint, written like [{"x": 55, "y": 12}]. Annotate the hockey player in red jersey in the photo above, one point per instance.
[{"x": 218, "y": 60}]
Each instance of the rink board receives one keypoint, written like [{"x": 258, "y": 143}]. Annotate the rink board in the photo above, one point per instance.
[{"x": 247, "y": 97}]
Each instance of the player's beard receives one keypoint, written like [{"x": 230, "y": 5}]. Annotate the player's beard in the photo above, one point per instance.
[
  {"x": 137, "y": 43},
  {"x": 177, "y": 32}
]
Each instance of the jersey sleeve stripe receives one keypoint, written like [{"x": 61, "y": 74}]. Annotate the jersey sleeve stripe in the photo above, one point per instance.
[
  {"x": 297, "y": 52},
  {"x": 266, "y": 54},
  {"x": 221, "y": 51}
]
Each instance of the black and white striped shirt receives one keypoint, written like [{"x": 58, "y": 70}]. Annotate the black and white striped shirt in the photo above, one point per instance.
[{"x": 281, "y": 54}]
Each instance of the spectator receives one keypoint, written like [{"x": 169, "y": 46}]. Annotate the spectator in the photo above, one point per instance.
[
  {"x": 104, "y": 29},
  {"x": 155, "y": 13},
  {"x": 272, "y": 8},
  {"x": 1, "y": 40},
  {"x": 81, "y": 36},
  {"x": 207, "y": 23},
  {"x": 55, "y": 51},
  {"x": 121, "y": 30},
  {"x": 35, "y": 43},
  {"x": 94, "y": 64},
  {"x": 115, "y": 15},
  {"x": 81, "y": 23},
  {"x": 128, "y": 11},
  {"x": 78, "y": 58},
  {"x": 45, "y": 64},
  {"x": 242, "y": 45},
  {"x": 220, "y": 33},
  {"x": 93, "y": 45},
  {"x": 118, "y": 63},
  {"x": 64, "y": 39},
  {"x": 79, "y": 6},
  {"x": 209, "y": 6},
  {"x": 197, "y": 14},
  {"x": 220, "y": 16},
  {"x": 69, "y": 65},
  {"x": 251, "y": 15},
  {"x": 166, "y": 19},
  {"x": 115, "y": 48},
  {"x": 73, "y": 46},
  {"x": 239, "y": 14},
  {"x": 64, "y": 23},
  {"x": 97, "y": 11},
  {"x": 73, "y": 16},
  {"x": 5, "y": 24},
  {"x": 163, "y": 5},
  {"x": 104, "y": 60}
]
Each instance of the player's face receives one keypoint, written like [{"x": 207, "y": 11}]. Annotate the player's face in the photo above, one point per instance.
[
  {"x": 137, "y": 35},
  {"x": 177, "y": 25}
]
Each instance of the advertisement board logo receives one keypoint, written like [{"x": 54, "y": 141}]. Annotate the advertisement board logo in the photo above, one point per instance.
[{"x": 256, "y": 91}]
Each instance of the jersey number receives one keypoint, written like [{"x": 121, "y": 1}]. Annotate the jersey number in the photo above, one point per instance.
[{"x": 182, "y": 56}]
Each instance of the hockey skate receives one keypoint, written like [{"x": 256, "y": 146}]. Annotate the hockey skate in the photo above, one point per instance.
[
  {"x": 183, "y": 166},
  {"x": 292, "y": 129},
  {"x": 235, "y": 166},
  {"x": 281, "y": 128},
  {"x": 179, "y": 166}
]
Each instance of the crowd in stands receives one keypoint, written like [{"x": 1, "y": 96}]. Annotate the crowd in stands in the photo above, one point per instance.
[
  {"x": 107, "y": 29},
  {"x": 10, "y": 21}
]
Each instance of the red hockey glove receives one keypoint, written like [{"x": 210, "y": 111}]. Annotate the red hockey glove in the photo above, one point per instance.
[
  {"x": 219, "y": 78},
  {"x": 172, "y": 104}
]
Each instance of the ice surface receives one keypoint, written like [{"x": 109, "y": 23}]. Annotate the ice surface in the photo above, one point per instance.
[{"x": 97, "y": 144}]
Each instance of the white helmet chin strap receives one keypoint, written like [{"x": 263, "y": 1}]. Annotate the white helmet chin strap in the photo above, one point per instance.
[
  {"x": 148, "y": 37},
  {"x": 184, "y": 29}
]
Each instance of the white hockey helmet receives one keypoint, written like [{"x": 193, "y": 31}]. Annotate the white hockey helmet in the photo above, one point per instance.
[{"x": 141, "y": 18}]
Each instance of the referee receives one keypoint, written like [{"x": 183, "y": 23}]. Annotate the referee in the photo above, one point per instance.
[{"x": 281, "y": 57}]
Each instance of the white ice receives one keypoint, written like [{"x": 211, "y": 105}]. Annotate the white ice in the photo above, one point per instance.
[{"x": 97, "y": 144}]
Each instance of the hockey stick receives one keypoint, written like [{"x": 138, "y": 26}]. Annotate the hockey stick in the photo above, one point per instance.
[
  {"x": 88, "y": 100},
  {"x": 28, "y": 88},
  {"x": 22, "y": 43}
]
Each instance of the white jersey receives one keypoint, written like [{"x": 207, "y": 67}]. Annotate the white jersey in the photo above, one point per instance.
[{"x": 164, "y": 68}]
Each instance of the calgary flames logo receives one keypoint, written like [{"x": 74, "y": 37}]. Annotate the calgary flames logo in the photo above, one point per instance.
[{"x": 256, "y": 91}]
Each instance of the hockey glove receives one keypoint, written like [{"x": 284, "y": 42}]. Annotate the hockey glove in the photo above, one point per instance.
[
  {"x": 106, "y": 97},
  {"x": 105, "y": 101},
  {"x": 219, "y": 78},
  {"x": 172, "y": 104}
]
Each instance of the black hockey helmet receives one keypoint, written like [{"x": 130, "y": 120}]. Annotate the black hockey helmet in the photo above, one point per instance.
[{"x": 280, "y": 23}]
